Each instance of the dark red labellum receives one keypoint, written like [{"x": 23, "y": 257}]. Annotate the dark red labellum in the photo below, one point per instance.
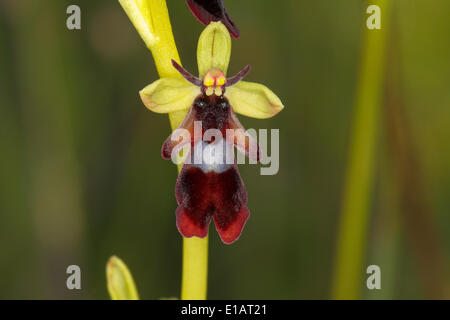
[
  {"x": 214, "y": 189},
  {"x": 207, "y": 11}
]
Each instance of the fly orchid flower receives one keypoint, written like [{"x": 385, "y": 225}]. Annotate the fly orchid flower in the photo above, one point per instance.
[
  {"x": 211, "y": 189},
  {"x": 207, "y": 11}
]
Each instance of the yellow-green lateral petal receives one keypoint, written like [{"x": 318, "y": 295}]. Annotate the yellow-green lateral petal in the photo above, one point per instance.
[
  {"x": 214, "y": 48},
  {"x": 119, "y": 280},
  {"x": 169, "y": 95},
  {"x": 253, "y": 100}
]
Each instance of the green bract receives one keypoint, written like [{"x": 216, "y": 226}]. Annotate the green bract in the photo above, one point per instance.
[
  {"x": 119, "y": 280},
  {"x": 214, "y": 49}
]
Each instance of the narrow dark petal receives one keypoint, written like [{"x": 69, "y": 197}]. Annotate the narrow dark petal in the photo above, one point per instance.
[
  {"x": 189, "y": 77},
  {"x": 207, "y": 11},
  {"x": 241, "y": 74}
]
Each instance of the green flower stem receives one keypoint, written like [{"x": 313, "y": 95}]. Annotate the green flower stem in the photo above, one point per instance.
[
  {"x": 151, "y": 20},
  {"x": 349, "y": 264},
  {"x": 195, "y": 269}
]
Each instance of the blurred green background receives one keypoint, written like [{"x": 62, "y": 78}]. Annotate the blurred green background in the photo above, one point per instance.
[{"x": 81, "y": 176}]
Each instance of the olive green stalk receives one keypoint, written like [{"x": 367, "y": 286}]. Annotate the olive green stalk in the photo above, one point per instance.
[{"x": 151, "y": 20}]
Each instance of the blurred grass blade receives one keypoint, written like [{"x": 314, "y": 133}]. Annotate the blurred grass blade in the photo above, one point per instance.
[
  {"x": 349, "y": 265},
  {"x": 151, "y": 20},
  {"x": 120, "y": 282}
]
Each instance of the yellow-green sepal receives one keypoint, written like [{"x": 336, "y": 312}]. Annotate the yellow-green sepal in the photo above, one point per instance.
[
  {"x": 120, "y": 283},
  {"x": 214, "y": 48},
  {"x": 253, "y": 100},
  {"x": 169, "y": 95}
]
